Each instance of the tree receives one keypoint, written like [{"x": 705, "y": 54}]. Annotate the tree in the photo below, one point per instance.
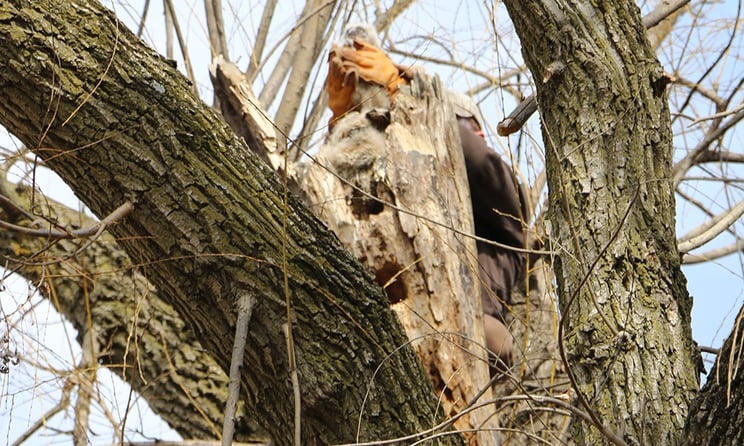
[
  {"x": 188, "y": 177},
  {"x": 626, "y": 311}
]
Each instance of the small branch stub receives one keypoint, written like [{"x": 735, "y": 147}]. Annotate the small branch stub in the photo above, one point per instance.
[{"x": 555, "y": 68}]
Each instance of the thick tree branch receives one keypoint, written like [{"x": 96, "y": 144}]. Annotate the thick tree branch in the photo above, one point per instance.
[
  {"x": 206, "y": 226},
  {"x": 124, "y": 306}
]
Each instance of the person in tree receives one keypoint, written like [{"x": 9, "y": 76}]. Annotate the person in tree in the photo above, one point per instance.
[
  {"x": 500, "y": 210},
  {"x": 500, "y": 214}
]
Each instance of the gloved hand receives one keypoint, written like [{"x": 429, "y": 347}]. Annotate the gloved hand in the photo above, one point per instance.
[
  {"x": 339, "y": 91},
  {"x": 371, "y": 64}
]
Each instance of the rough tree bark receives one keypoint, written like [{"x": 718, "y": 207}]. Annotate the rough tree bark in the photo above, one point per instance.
[
  {"x": 210, "y": 224},
  {"x": 605, "y": 123}
]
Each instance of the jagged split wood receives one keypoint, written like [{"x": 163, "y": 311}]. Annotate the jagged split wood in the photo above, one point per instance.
[{"x": 391, "y": 196}]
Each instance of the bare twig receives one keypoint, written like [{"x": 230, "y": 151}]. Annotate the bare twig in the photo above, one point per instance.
[
  {"x": 711, "y": 350},
  {"x": 682, "y": 166},
  {"x": 295, "y": 385},
  {"x": 286, "y": 61},
  {"x": 182, "y": 43},
  {"x": 708, "y": 93},
  {"x": 385, "y": 19},
  {"x": 518, "y": 117},
  {"x": 662, "y": 11},
  {"x": 722, "y": 114},
  {"x": 260, "y": 43},
  {"x": 309, "y": 49},
  {"x": 143, "y": 19},
  {"x": 245, "y": 310},
  {"x": 64, "y": 401},
  {"x": 711, "y": 229},
  {"x": 216, "y": 28},
  {"x": 117, "y": 214},
  {"x": 87, "y": 375},
  {"x": 713, "y": 254}
]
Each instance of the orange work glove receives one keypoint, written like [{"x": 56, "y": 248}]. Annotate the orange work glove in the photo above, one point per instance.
[
  {"x": 371, "y": 64},
  {"x": 339, "y": 91}
]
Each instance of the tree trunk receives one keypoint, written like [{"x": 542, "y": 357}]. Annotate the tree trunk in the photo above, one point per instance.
[
  {"x": 605, "y": 121},
  {"x": 393, "y": 196},
  {"x": 211, "y": 223}
]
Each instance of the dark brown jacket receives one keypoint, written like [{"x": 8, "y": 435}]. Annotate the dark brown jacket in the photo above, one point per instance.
[{"x": 500, "y": 214}]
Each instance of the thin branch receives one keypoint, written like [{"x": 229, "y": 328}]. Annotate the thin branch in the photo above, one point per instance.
[
  {"x": 295, "y": 378},
  {"x": 711, "y": 350},
  {"x": 168, "y": 33},
  {"x": 261, "y": 35},
  {"x": 719, "y": 115},
  {"x": 86, "y": 374},
  {"x": 662, "y": 11},
  {"x": 692, "y": 158},
  {"x": 714, "y": 254},
  {"x": 711, "y": 229},
  {"x": 705, "y": 92},
  {"x": 318, "y": 107},
  {"x": 245, "y": 310},
  {"x": 118, "y": 213},
  {"x": 720, "y": 156},
  {"x": 182, "y": 43},
  {"x": 385, "y": 19},
  {"x": 216, "y": 28},
  {"x": 309, "y": 49},
  {"x": 143, "y": 19},
  {"x": 286, "y": 61},
  {"x": 710, "y": 68},
  {"x": 518, "y": 117},
  {"x": 42, "y": 421}
]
